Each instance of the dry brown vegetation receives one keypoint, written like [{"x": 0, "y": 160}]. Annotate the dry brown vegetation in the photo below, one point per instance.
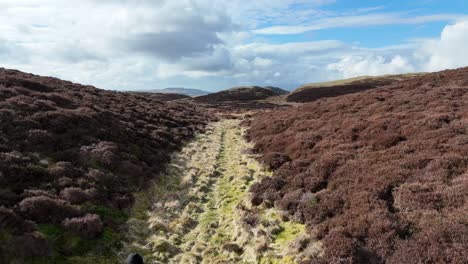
[
  {"x": 241, "y": 100},
  {"x": 71, "y": 156},
  {"x": 312, "y": 92},
  {"x": 241, "y": 94},
  {"x": 378, "y": 176}
]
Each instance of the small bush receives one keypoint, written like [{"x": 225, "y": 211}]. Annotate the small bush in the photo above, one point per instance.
[
  {"x": 75, "y": 195},
  {"x": 275, "y": 160},
  {"x": 63, "y": 169},
  {"x": 29, "y": 245},
  {"x": 87, "y": 227},
  {"x": 43, "y": 209},
  {"x": 14, "y": 223}
]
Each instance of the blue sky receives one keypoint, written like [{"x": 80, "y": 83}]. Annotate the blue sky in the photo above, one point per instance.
[
  {"x": 215, "y": 44},
  {"x": 382, "y": 35}
]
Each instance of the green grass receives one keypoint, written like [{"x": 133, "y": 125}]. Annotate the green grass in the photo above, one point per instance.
[
  {"x": 106, "y": 212},
  {"x": 67, "y": 244},
  {"x": 214, "y": 175},
  {"x": 290, "y": 232},
  {"x": 5, "y": 236},
  {"x": 69, "y": 248},
  {"x": 141, "y": 206}
]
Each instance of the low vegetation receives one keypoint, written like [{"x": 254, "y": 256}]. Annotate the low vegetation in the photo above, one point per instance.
[
  {"x": 203, "y": 214},
  {"x": 379, "y": 176},
  {"x": 376, "y": 174},
  {"x": 243, "y": 99},
  {"x": 315, "y": 91},
  {"x": 241, "y": 94},
  {"x": 70, "y": 158}
]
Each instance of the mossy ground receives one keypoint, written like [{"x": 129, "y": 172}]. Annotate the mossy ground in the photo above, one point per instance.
[{"x": 200, "y": 206}]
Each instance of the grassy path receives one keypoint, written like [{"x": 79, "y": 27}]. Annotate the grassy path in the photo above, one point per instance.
[{"x": 201, "y": 210}]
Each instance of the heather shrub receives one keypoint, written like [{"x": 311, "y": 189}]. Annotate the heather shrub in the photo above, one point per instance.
[
  {"x": 439, "y": 240},
  {"x": 74, "y": 195},
  {"x": 267, "y": 191},
  {"x": 97, "y": 175},
  {"x": 64, "y": 182},
  {"x": 43, "y": 209},
  {"x": 386, "y": 169},
  {"x": 29, "y": 245},
  {"x": 28, "y": 84},
  {"x": 342, "y": 249},
  {"x": 386, "y": 139},
  {"x": 40, "y": 137},
  {"x": 127, "y": 167},
  {"x": 38, "y": 192},
  {"x": 290, "y": 201},
  {"x": 58, "y": 99},
  {"x": 417, "y": 196},
  {"x": 87, "y": 227},
  {"x": 63, "y": 169},
  {"x": 85, "y": 183},
  {"x": 275, "y": 160},
  {"x": 122, "y": 201},
  {"x": 101, "y": 154},
  {"x": 14, "y": 223},
  {"x": 61, "y": 139},
  {"x": 312, "y": 182}
]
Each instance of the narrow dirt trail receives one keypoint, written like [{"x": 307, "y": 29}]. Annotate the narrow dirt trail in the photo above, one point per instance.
[{"x": 201, "y": 210}]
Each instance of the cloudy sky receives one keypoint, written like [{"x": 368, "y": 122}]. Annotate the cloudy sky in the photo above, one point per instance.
[{"x": 216, "y": 44}]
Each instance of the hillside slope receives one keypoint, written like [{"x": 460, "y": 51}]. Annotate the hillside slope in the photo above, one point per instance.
[
  {"x": 315, "y": 91},
  {"x": 70, "y": 158},
  {"x": 241, "y": 94},
  {"x": 380, "y": 176}
]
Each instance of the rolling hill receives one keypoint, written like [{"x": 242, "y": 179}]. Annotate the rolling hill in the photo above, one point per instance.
[
  {"x": 71, "y": 159},
  {"x": 242, "y": 94},
  {"x": 378, "y": 176},
  {"x": 375, "y": 174},
  {"x": 315, "y": 91}
]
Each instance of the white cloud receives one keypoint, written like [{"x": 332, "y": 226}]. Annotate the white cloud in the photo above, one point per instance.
[
  {"x": 287, "y": 49},
  {"x": 354, "y": 21},
  {"x": 445, "y": 52},
  {"x": 141, "y": 44},
  {"x": 261, "y": 62},
  {"x": 450, "y": 50},
  {"x": 353, "y": 66}
]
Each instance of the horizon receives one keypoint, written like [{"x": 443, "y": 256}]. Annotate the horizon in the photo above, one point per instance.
[{"x": 213, "y": 45}]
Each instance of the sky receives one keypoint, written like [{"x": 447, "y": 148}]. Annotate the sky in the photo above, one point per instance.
[{"x": 217, "y": 44}]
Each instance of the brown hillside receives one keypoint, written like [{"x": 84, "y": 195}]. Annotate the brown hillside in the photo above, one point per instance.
[
  {"x": 241, "y": 94},
  {"x": 312, "y": 92},
  {"x": 70, "y": 157},
  {"x": 379, "y": 176}
]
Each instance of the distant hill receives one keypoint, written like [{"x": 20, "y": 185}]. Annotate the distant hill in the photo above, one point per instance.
[
  {"x": 242, "y": 94},
  {"x": 184, "y": 91},
  {"x": 315, "y": 91},
  {"x": 165, "y": 97}
]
